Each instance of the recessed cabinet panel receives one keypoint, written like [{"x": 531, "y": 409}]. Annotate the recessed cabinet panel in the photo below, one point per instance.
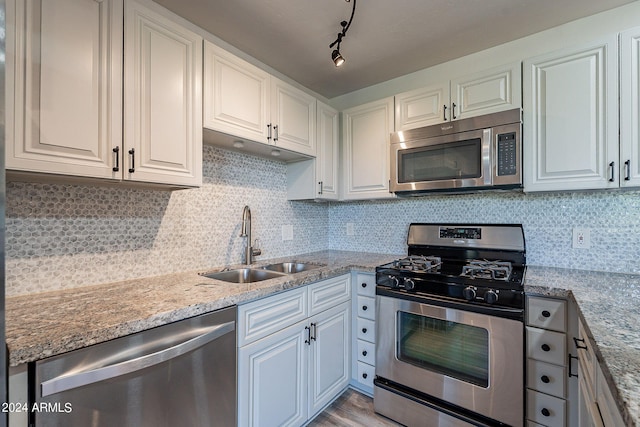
[
  {"x": 327, "y": 159},
  {"x": 630, "y": 108},
  {"x": 64, "y": 106},
  {"x": 571, "y": 116},
  {"x": 421, "y": 107},
  {"x": 163, "y": 104},
  {"x": 293, "y": 116},
  {"x": 236, "y": 95},
  {"x": 487, "y": 92}
]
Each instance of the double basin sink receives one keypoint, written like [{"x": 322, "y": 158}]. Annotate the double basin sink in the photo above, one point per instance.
[{"x": 257, "y": 274}]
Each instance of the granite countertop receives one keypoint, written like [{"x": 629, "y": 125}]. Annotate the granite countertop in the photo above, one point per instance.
[
  {"x": 51, "y": 323},
  {"x": 608, "y": 303}
]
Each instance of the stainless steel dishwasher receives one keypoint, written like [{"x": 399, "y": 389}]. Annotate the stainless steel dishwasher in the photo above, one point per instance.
[{"x": 181, "y": 374}]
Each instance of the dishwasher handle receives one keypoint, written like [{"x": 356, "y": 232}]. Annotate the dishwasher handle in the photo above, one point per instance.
[{"x": 79, "y": 379}]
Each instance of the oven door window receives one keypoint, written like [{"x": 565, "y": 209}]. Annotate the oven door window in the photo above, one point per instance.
[
  {"x": 455, "y": 160},
  {"x": 448, "y": 348}
]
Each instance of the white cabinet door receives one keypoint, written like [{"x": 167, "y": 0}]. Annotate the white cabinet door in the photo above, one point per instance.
[
  {"x": 64, "y": 97},
  {"x": 366, "y": 134},
  {"x": 293, "y": 118},
  {"x": 163, "y": 101},
  {"x": 571, "y": 118},
  {"x": 328, "y": 141},
  {"x": 329, "y": 358},
  {"x": 630, "y": 108},
  {"x": 272, "y": 379},
  {"x": 485, "y": 92},
  {"x": 421, "y": 107},
  {"x": 236, "y": 95}
]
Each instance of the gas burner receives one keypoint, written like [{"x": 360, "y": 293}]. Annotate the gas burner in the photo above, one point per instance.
[
  {"x": 484, "y": 269},
  {"x": 420, "y": 263}
]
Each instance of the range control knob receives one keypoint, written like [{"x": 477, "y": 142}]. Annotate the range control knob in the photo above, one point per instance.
[
  {"x": 491, "y": 296},
  {"x": 409, "y": 284},
  {"x": 469, "y": 293},
  {"x": 393, "y": 280}
]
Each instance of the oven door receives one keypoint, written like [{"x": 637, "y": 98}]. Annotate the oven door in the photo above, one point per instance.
[
  {"x": 461, "y": 160},
  {"x": 471, "y": 360}
]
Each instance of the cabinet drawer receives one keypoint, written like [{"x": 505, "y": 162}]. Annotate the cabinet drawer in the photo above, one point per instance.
[
  {"x": 547, "y": 313},
  {"x": 367, "y": 307},
  {"x": 546, "y": 378},
  {"x": 366, "y": 329},
  {"x": 328, "y": 293},
  {"x": 367, "y": 352},
  {"x": 266, "y": 316},
  {"x": 366, "y": 285},
  {"x": 546, "y": 410},
  {"x": 546, "y": 346},
  {"x": 365, "y": 374}
]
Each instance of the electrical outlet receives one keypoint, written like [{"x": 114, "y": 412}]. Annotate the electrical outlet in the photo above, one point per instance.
[
  {"x": 350, "y": 230},
  {"x": 581, "y": 238},
  {"x": 287, "y": 232}
]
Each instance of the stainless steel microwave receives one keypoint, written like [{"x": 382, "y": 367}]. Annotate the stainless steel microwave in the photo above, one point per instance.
[{"x": 478, "y": 153}]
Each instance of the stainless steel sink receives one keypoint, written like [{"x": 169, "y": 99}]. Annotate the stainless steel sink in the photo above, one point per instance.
[
  {"x": 243, "y": 275},
  {"x": 290, "y": 267}
]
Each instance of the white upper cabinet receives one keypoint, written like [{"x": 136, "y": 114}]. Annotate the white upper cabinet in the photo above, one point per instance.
[
  {"x": 236, "y": 95},
  {"x": 65, "y": 76},
  {"x": 244, "y": 101},
  {"x": 630, "y": 108},
  {"x": 327, "y": 160},
  {"x": 571, "y": 118},
  {"x": 64, "y": 86},
  {"x": 484, "y": 92},
  {"x": 366, "y": 134},
  {"x": 163, "y": 101}
]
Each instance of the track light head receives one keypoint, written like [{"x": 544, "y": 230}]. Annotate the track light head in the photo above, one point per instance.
[{"x": 337, "y": 58}]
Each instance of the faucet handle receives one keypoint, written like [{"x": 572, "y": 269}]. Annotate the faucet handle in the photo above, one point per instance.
[{"x": 254, "y": 250}]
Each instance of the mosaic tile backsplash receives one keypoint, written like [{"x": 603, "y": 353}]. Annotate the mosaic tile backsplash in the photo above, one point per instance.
[
  {"x": 613, "y": 219},
  {"x": 64, "y": 236}
]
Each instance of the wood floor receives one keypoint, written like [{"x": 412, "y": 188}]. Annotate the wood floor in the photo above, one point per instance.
[{"x": 352, "y": 409}]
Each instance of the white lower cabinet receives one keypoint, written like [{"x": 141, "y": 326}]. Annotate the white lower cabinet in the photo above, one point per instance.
[{"x": 288, "y": 375}]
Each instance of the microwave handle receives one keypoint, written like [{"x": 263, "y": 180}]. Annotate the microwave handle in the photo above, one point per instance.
[{"x": 487, "y": 139}]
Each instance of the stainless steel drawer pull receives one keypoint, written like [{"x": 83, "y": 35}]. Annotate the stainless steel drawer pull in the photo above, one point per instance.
[{"x": 69, "y": 382}]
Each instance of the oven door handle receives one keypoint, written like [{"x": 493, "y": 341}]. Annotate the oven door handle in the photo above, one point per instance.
[{"x": 505, "y": 312}]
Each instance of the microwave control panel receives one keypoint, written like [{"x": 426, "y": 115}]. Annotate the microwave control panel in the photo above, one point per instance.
[{"x": 507, "y": 155}]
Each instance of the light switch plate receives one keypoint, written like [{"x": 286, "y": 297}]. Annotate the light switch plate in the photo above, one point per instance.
[
  {"x": 350, "y": 229},
  {"x": 287, "y": 232}
]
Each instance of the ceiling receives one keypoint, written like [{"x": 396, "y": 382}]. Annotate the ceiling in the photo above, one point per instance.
[{"x": 387, "y": 39}]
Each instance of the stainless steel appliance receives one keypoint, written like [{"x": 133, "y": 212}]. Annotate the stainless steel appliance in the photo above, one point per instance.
[
  {"x": 483, "y": 152},
  {"x": 181, "y": 374},
  {"x": 449, "y": 328}
]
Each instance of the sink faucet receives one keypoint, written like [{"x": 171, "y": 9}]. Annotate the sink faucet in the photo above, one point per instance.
[{"x": 250, "y": 251}]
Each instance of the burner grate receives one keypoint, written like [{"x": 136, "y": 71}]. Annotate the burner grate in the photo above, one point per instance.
[
  {"x": 484, "y": 269},
  {"x": 419, "y": 263}
]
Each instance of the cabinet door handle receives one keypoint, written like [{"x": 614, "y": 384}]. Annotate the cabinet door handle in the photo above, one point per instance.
[
  {"x": 579, "y": 346},
  {"x": 313, "y": 331},
  {"x": 320, "y": 184},
  {"x": 275, "y": 133},
  {"x": 308, "y": 331},
  {"x": 613, "y": 176},
  {"x": 132, "y": 155},
  {"x": 453, "y": 110},
  {"x": 545, "y": 347},
  {"x": 116, "y": 155},
  {"x": 627, "y": 170},
  {"x": 571, "y": 374},
  {"x": 268, "y": 132},
  {"x": 444, "y": 113}
]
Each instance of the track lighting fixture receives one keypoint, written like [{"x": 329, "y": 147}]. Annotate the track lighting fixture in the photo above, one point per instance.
[{"x": 336, "y": 56}]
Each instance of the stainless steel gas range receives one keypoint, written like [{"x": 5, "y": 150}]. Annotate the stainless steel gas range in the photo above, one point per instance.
[{"x": 450, "y": 331}]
